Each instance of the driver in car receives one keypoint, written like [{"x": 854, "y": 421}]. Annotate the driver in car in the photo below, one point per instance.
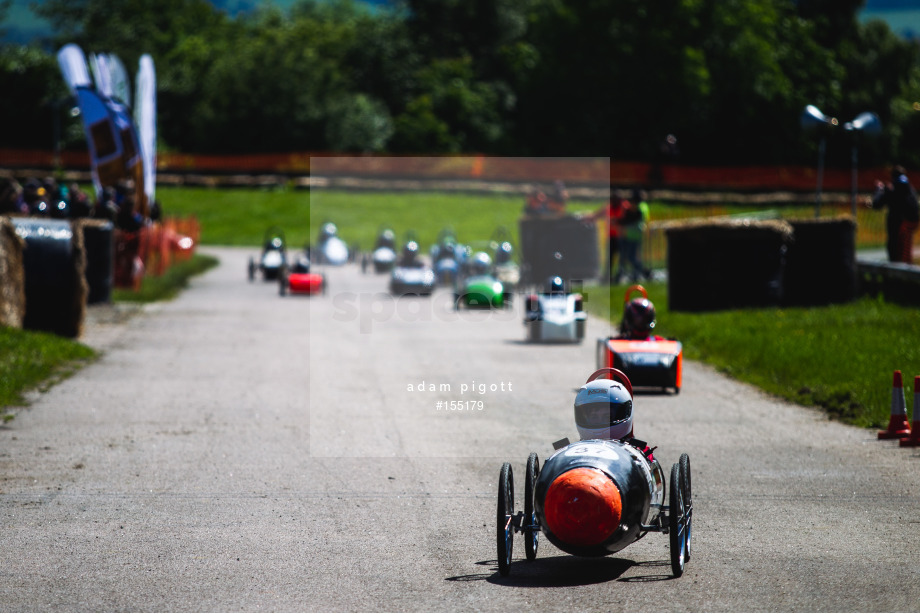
[{"x": 604, "y": 410}]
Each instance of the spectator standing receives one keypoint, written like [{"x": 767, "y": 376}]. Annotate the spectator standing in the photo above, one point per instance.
[
  {"x": 105, "y": 207},
  {"x": 558, "y": 198},
  {"x": 634, "y": 222},
  {"x": 612, "y": 214},
  {"x": 11, "y": 197},
  {"x": 536, "y": 203},
  {"x": 80, "y": 205},
  {"x": 903, "y": 216}
]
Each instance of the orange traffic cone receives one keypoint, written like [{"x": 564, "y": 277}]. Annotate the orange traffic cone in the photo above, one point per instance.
[
  {"x": 914, "y": 439},
  {"x": 897, "y": 424}
]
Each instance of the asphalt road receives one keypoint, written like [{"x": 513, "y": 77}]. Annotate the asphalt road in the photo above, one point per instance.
[{"x": 234, "y": 450}]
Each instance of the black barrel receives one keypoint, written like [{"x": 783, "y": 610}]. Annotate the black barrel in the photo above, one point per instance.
[
  {"x": 54, "y": 261},
  {"x": 99, "y": 242}
]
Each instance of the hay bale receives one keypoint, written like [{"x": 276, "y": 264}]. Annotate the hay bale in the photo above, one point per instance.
[
  {"x": 821, "y": 262},
  {"x": 99, "y": 242},
  {"x": 54, "y": 261},
  {"x": 564, "y": 246},
  {"x": 12, "y": 276},
  {"x": 726, "y": 264}
]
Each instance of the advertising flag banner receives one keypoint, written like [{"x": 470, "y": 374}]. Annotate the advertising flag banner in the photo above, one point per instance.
[
  {"x": 73, "y": 67},
  {"x": 110, "y": 132},
  {"x": 145, "y": 118}
]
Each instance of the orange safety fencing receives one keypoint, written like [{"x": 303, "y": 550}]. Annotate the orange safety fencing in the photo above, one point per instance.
[
  {"x": 153, "y": 249},
  {"x": 587, "y": 170}
]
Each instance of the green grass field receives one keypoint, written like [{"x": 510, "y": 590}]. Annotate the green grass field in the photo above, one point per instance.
[{"x": 242, "y": 217}]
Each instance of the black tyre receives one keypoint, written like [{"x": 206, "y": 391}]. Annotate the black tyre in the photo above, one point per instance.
[
  {"x": 533, "y": 331},
  {"x": 677, "y": 527},
  {"x": 504, "y": 519},
  {"x": 687, "y": 488},
  {"x": 252, "y": 269},
  {"x": 531, "y": 534},
  {"x": 282, "y": 285}
]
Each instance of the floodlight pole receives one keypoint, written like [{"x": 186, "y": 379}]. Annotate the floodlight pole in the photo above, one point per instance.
[
  {"x": 812, "y": 118},
  {"x": 865, "y": 122},
  {"x": 822, "y": 146},
  {"x": 853, "y": 184}
]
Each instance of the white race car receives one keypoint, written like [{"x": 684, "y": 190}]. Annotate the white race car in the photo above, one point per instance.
[{"x": 555, "y": 315}]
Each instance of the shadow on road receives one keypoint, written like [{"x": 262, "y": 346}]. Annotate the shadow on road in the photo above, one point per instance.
[{"x": 562, "y": 571}]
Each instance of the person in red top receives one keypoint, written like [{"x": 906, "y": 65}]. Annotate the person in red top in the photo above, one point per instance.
[
  {"x": 536, "y": 203},
  {"x": 903, "y": 217},
  {"x": 558, "y": 198},
  {"x": 612, "y": 213}
]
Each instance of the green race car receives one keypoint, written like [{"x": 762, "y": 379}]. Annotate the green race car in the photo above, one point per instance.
[{"x": 479, "y": 288}]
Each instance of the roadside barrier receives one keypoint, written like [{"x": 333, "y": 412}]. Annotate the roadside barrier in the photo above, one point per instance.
[
  {"x": 820, "y": 262},
  {"x": 153, "y": 249},
  {"x": 898, "y": 282},
  {"x": 744, "y": 255},
  {"x": 100, "y": 257},
  {"x": 129, "y": 266},
  {"x": 12, "y": 276},
  {"x": 54, "y": 262},
  {"x": 914, "y": 439},
  {"x": 897, "y": 423}
]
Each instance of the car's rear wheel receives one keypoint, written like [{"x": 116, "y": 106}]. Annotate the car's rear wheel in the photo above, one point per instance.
[
  {"x": 531, "y": 534},
  {"x": 504, "y": 519},
  {"x": 678, "y": 530},
  {"x": 686, "y": 486}
]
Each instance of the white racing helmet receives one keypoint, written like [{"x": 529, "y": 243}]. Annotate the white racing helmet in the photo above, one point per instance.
[
  {"x": 604, "y": 408},
  {"x": 481, "y": 264}
]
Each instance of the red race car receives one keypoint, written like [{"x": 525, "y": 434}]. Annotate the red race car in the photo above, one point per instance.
[
  {"x": 299, "y": 280},
  {"x": 648, "y": 360}
]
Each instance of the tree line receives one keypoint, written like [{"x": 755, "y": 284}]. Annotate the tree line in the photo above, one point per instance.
[{"x": 728, "y": 78}]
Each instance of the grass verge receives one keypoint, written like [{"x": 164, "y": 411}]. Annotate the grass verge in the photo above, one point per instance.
[
  {"x": 840, "y": 358},
  {"x": 30, "y": 359},
  {"x": 169, "y": 284}
]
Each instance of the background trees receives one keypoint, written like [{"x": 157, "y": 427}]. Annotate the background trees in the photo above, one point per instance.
[{"x": 514, "y": 77}]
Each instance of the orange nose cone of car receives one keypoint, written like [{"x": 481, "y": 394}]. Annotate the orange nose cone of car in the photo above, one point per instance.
[{"x": 583, "y": 507}]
